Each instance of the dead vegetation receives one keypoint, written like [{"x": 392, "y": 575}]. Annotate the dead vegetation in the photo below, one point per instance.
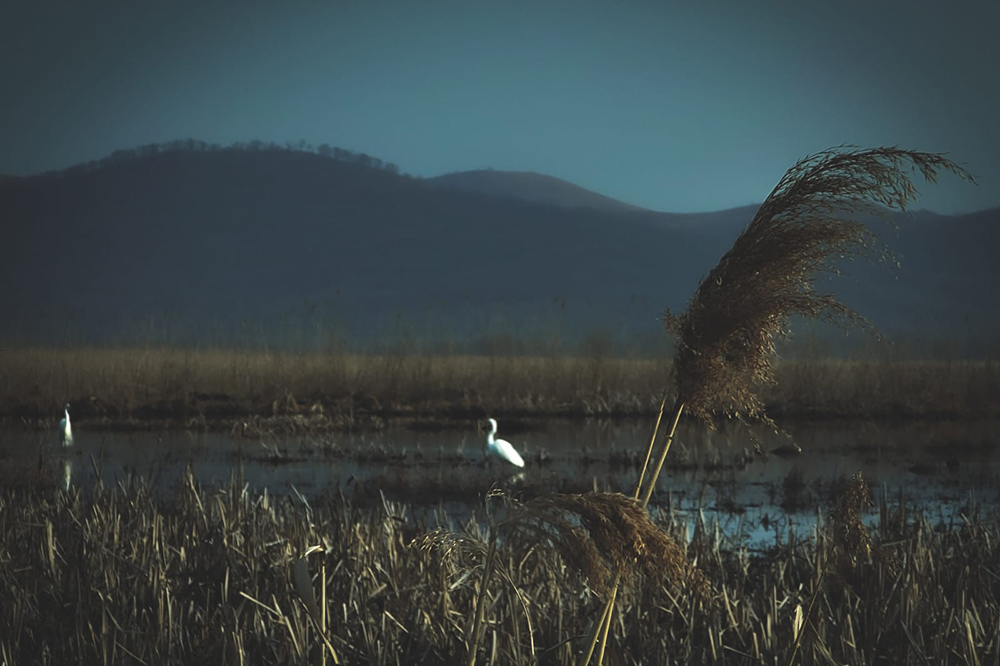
[
  {"x": 815, "y": 217},
  {"x": 259, "y": 392},
  {"x": 210, "y": 577}
]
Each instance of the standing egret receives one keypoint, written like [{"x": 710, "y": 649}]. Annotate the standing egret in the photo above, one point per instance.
[
  {"x": 501, "y": 448},
  {"x": 66, "y": 430}
]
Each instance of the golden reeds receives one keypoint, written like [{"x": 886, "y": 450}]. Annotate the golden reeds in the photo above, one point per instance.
[
  {"x": 811, "y": 220},
  {"x": 815, "y": 217},
  {"x": 122, "y": 575},
  {"x": 600, "y": 537},
  {"x": 600, "y": 534},
  {"x": 852, "y": 536}
]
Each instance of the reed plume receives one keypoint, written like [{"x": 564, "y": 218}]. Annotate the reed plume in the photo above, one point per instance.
[
  {"x": 600, "y": 537},
  {"x": 850, "y": 532},
  {"x": 813, "y": 218},
  {"x": 854, "y": 552},
  {"x": 600, "y": 534},
  {"x": 852, "y": 546}
]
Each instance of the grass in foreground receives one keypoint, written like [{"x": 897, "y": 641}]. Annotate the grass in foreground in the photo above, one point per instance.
[{"x": 209, "y": 577}]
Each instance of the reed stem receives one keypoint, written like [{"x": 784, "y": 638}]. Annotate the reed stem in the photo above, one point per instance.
[
  {"x": 601, "y": 630},
  {"x": 807, "y": 619},
  {"x": 678, "y": 409},
  {"x": 603, "y": 622},
  {"x": 649, "y": 449},
  {"x": 477, "y": 627},
  {"x": 607, "y": 622}
]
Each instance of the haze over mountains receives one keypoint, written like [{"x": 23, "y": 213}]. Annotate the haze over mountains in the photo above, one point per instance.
[
  {"x": 530, "y": 186},
  {"x": 193, "y": 244}
]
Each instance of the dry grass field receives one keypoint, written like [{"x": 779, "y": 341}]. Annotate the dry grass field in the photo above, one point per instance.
[{"x": 213, "y": 388}]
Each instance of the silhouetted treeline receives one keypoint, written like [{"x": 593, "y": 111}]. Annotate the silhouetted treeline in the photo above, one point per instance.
[{"x": 255, "y": 146}]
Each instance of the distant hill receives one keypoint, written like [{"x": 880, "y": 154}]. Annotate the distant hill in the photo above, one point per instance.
[
  {"x": 288, "y": 247},
  {"x": 532, "y": 187}
]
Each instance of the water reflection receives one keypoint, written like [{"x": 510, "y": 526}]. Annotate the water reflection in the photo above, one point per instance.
[{"x": 935, "y": 465}]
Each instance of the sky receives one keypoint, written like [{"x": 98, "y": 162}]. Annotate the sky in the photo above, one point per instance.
[{"x": 674, "y": 106}]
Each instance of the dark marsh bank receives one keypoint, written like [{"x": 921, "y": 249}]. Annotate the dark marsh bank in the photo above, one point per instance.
[{"x": 221, "y": 389}]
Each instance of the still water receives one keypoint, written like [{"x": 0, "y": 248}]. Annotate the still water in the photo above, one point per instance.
[{"x": 936, "y": 467}]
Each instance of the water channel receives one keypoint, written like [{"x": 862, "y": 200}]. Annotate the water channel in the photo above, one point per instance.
[{"x": 938, "y": 468}]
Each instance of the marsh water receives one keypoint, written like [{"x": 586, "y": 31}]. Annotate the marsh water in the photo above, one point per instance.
[{"x": 939, "y": 468}]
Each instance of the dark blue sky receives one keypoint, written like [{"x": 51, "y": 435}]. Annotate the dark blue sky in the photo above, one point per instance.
[{"x": 678, "y": 106}]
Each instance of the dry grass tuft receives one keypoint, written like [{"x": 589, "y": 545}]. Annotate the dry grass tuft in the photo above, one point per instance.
[
  {"x": 601, "y": 534},
  {"x": 812, "y": 219},
  {"x": 855, "y": 555},
  {"x": 600, "y": 537},
  {"x": 452, "y": 545},
  {"x": 849, "y": 530}
]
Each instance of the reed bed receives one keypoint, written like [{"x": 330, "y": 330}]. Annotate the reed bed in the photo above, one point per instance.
[
  {"x": 217, "y": 388},
  {"x": 209, "y": 576}
]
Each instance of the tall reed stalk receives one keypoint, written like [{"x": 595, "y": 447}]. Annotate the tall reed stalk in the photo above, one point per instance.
[
  {"x": 601, "y": 630},
  {"x": 476, "y": 629},
  {"x": 813, "y": 218}
]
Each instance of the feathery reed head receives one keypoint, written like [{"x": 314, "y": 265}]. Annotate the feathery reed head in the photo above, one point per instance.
[
  {"x": 600, "y": 534},
  {"x": 726, "y": 337},
  {"x": 850, "y": 531},
  {"x": 597, "y": 535}
]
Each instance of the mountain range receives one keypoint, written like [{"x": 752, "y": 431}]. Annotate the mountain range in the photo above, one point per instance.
[{"x": 211, "y": 246}]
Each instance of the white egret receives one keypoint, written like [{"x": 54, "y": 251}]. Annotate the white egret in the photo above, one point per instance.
[
  {"x": 66, "y": 430},
  {"x": 501, "y": 448}
]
